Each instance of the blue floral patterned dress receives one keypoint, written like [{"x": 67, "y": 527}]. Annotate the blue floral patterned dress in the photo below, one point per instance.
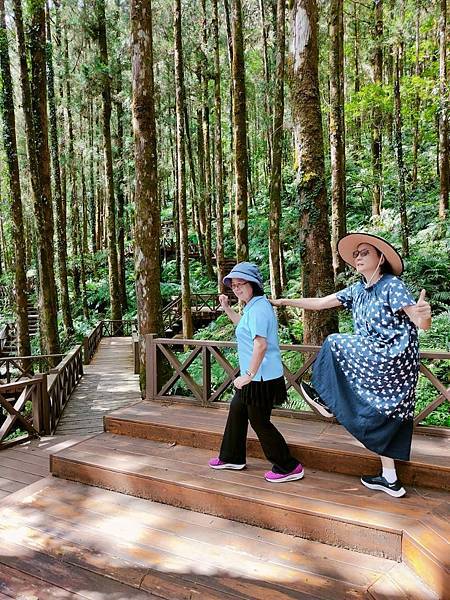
[{"x": 368, "y": 379}]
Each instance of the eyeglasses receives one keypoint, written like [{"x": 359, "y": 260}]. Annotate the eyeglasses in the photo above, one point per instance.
[
  {"x": 238, "y": 286},
  {"x": 361, "y": 253}
]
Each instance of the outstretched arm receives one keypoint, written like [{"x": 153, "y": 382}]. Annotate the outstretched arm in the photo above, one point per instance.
[{"x": 330, "y": 301}]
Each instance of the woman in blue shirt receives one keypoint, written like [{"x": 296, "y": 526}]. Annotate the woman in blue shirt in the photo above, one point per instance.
[
  {"x": 368, "y": 379},
  {"x": 260, "y": 384}
]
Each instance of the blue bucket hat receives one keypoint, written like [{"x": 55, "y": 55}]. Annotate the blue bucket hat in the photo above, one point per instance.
[{"x": 247, "y": 271}]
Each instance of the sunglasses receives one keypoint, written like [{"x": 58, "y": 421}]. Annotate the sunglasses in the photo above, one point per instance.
[{"x": 361, "y": 253}]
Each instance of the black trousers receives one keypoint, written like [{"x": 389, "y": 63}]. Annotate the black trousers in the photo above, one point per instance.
[{"x": 234, "y": 443}]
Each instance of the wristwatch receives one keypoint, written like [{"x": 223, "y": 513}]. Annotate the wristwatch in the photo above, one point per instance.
[{"x": 249, "y": 373}]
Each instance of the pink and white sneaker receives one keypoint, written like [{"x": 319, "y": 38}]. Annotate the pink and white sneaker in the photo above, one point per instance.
[
  {"x": 297, "y": 473},
  {"x": 216, "y": 463}
]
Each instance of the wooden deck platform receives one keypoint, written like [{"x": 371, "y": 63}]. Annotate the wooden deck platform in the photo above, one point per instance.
[
  {"x": 163, "y": 457},
  {"x": 108, "y": 383},
  {"x": 67, "y": 540},
  {"x": 317, "y": 444}
]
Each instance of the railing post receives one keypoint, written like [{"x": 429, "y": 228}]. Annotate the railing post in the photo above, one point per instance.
[
  {"x": 45, "y": 400},
  {"x": 86, "y": 357},
  {"x": 206, "y": 363},
  {"x": 151, "y": 368}
]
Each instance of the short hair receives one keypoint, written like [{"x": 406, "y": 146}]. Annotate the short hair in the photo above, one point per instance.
[{"x": 257, "y": 291}]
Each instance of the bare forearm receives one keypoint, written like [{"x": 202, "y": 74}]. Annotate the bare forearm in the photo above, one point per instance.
[
  {"x": 259, "y": 351},
  {"x": 232, "y": 315},
  {"x": 311, "y": 303}
]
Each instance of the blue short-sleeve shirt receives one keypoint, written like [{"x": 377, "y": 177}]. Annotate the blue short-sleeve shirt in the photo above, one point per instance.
[{"x": 258, "y": 318}]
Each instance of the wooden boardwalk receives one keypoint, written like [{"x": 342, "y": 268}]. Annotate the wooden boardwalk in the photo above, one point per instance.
[{"x": 108, "y": 383}]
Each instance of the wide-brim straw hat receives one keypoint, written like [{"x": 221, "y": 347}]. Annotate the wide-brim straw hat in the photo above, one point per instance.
[{"x": 350, "y": 242}]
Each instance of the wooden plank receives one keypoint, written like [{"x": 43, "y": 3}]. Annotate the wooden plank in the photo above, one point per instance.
[
  {"x": 15, "y": 475},
  {"x": 58, "y": 573},
  {"x": 17, "y": 584}
]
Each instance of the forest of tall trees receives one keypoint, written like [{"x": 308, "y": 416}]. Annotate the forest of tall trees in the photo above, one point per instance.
[{"x": 146, "y": 145}]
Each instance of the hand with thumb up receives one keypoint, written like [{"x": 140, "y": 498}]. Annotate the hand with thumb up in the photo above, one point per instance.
[
  {"x": 423, "y": 308},
  {"x": 420, "y": 313}
]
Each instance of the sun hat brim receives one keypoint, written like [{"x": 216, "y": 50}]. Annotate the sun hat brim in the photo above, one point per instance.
[
  {"x": 237, "y": 274},
  {"x": 350, "y": 242}
]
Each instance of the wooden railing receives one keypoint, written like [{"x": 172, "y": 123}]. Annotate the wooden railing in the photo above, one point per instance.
[
  {"x": 16, "y": 417},
  {"x": 204, "y": 388},
  {"x": 61, "y": 382},
  {"x": 48, "y": 393},
  {"x": 91, "y": 342},
  {"x": 16, "y": 368}
]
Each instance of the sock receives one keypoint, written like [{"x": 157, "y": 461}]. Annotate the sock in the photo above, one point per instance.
[{"x": 390, "y": 475}]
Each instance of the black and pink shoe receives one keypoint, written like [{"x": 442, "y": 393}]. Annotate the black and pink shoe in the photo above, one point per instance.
[{"x": 294, "y": 475}]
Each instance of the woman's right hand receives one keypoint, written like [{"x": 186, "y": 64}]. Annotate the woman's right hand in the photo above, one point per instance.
[
  {"x": 276, "y": 301},
  {"x": 223, "y": 300}
]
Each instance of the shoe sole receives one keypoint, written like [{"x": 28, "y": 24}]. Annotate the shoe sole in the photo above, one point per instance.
[
  {"x": 318, "y": 407},
  {"x": 374, "y": 486},
  {"x": 295, "y": 477},
  {"x": 228, "y": 466}
]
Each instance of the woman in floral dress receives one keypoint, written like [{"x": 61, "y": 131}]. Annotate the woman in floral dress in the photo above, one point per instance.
[{"x": 367, "y": 379}]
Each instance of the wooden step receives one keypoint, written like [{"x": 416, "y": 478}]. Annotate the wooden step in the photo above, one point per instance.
[
  {"x": 317, "y": 444},
  {"x": 325, "y": 507},
  {"x": 64, "y": 536}
]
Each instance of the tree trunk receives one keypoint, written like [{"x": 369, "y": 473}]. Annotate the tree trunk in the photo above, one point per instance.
[
  {"x": 61, "y": 236},
  {"x": 148, "y": 219},
  {"x": 416, "y": 112},
  {"x": 277, "y": 150},
  {"x": 92, "y": 207},
  {"x": 114, "y": 290},
  {"x": 43, "y": 206},
  {"x": 206, "y": 144},
  {"x": 218, "y": 158},
  {"x": 240, "y": 132},
  {"x": 377, "y": 122},
  {"x": 267, "y": 100},
  {"x": 357, "y": 80},
  {"x": 181, "y": 175},
  {"x": 443, "y": 113},
  {"x": 315, "y": 246},
  {"x": 120, "y": 195},
  {"x": 337, "y": 132},
  {"x": 10, "y": 147},
  {"x": 72, "y": 167},
  {"x": 399, "y": 150}
]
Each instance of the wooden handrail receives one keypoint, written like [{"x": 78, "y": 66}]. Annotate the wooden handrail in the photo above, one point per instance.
[
  {"x": 23, "y": 367},
  {"x": 49, "y": 393},
  {"x": 205, "y": 350},
  {"x": 14, "y": 406}
]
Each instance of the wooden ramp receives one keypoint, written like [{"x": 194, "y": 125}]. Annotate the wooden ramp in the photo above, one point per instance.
[
  {"x": 163, "y": 457},
  {"x": 108, "y": 383}
]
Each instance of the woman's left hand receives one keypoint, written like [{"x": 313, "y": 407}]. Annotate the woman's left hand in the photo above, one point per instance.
[{"x": 242, "y": 380}]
